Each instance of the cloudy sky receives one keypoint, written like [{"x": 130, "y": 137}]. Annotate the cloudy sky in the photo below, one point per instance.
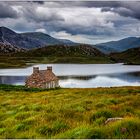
[{"x": 85, "y": 22}]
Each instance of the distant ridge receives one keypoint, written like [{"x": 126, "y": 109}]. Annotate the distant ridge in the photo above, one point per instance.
[{"x": 120, "y": 45}]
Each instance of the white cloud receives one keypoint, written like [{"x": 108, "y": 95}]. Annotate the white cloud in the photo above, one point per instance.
[
  {"x": 41, "y": 30},
  {"x": 80, "y": 22},
  {"x": 89, "y": 39},
  {"x": 85, "y": 16}
]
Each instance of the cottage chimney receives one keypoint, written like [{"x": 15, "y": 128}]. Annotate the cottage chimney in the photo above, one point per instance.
[
  {"x": 49, "y": 68},
  {"x": 35, "y": 69}
]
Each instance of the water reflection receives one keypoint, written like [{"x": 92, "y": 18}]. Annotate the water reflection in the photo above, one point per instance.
[
  {"x": 88, "y": 77},
  {"x": 13, "y": 80},
  {"x": 88, "y": 81}
]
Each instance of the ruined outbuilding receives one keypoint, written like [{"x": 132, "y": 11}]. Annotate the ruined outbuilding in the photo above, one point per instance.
[{"x": 42, "y": 79}]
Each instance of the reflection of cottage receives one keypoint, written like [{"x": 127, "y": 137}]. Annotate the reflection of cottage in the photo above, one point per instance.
[{"x": 42, "y": 79}]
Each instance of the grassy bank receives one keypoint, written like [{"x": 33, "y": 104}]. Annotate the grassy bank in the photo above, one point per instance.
[
  {"x": 11, "y": 62},
  {"x": 130, "y": 56},
  {"x": 16, "y": 62},
  {"x": 69, "y": 113}
]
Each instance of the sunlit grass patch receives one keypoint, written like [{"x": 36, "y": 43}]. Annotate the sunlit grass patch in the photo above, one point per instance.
[
  {"x": 70, "y": 113},
  {"x": 81, "y": 132},
  {"x": 127, "y": 128},
  {"x": 106, "y": 113},
  {"x": 24, "y": 115}
]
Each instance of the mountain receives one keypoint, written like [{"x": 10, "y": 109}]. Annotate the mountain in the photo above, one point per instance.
[
  {"x": 27, "y": 40},
  {"x": 119, "y": 46},
  {"x": 47, "y": 39},
  {"x": 44, "y": 39},
  {"x": 130, "y": 56},
  {"x": 14, "y": 39}
]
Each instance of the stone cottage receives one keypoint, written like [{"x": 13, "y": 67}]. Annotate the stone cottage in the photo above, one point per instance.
[{"x": 42, "y": 79}]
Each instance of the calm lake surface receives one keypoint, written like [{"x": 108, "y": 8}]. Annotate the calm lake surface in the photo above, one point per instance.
[{"x": 80, "y": 75}]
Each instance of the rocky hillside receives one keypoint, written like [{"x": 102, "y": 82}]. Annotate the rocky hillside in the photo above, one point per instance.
[
  {"x": 64, "y": 54},
  {"x": 131, "y": 56},
  {"x": 63, "y": 50},
  {"x": 8, "y": 36},
  {"x": 7, "y": 48}
]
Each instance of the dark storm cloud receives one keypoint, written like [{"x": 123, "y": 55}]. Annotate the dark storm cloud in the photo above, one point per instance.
[
  {"x": 38, "y": 17},
  {"x": 96, "y": 19},
  {"x": 7, "y": 12},
  {"x": 127, "y": 10},
  {"x": 88, "y": 4},
  {"x": 76, "y": 29},
  {"x": 38, "y": 2},
  {"x": 123, "y": 8},
  {"x": 121, "y": 11}
]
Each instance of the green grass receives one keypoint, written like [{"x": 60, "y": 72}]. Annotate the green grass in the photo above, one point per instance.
[
  {"x": 5, "y": 87},
  {"x": 11, "y": 62},
  {"x": 69, "y": 113},
  {"x": 16, "y": 62}
]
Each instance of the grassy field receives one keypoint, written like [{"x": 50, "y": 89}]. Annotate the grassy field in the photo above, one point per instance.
[{"x": 69, "y": 113}]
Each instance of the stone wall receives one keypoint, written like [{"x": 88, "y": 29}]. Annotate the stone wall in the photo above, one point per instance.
[
  {"x": 36, "y": 82},
  {"x": 42, "y": 79},
  {"x": 52, "y": 84}
]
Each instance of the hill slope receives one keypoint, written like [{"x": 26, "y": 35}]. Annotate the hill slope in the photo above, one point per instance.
[
  {"x": 7, "y": 48},
  {"x": 27, "y": 40},
  {"x": 66, "y": 54},
  {"x": 8, "y": 36},
  {"x": 68, "y": 42},
  {"x": 131, "y": 56},
  {"x": 64, "y": 50},
  {"x": 119, "y": 46},
  {"x": 44, "y": 39}
]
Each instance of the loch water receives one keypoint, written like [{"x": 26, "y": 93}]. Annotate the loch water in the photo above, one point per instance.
[{"x": 80, "y": 75}]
